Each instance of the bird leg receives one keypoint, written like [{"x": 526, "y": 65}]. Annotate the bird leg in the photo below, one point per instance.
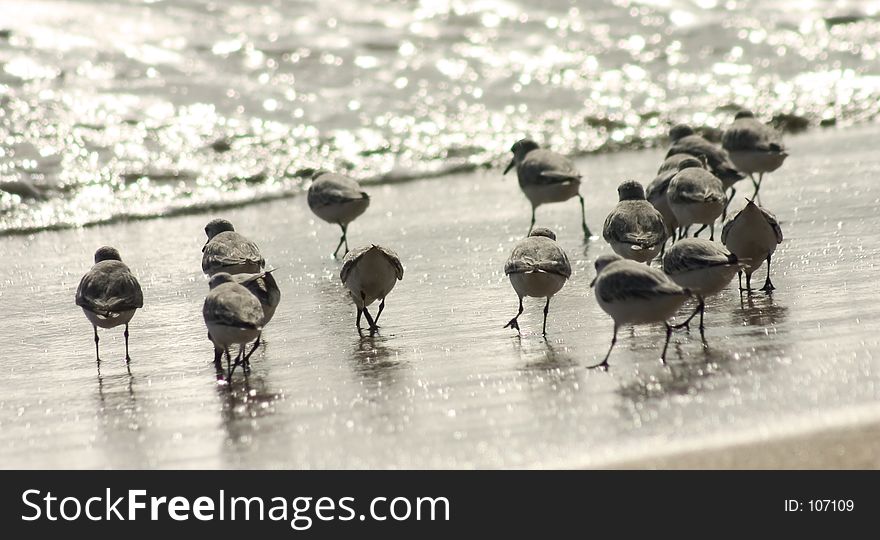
[
  {"x": 712, "y": 232},
  {"x": 218, "y": 366},
  {"x": 513, "y": 323},
  {"x": 381, "y": 307},
  {"x": 604, "y": 364},
  {"x": 687, "y": 322},
  {"x": 726, "y": 204},
  {"x": 666, "y": 345},
  {"x": 360, "y": 312},
  {"x": 587, "y": 232},
  {"x": 342, "y": 239},
  {"x": 373, "y": 327},
  {"x": 229, "y": 366},
  {"x": 701, "y": 229},
  {"x": 127, "y": 357},
  {"x": 247, "y": 358},
  {"x": 757, "y": 187},
  {"x": 768, "y": 285},
  {"x": 97, "y": 354},
  {"x": 546, "y": 310}
]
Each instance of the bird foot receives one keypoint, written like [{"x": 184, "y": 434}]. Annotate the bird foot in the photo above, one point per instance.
[
  {"x": 768, "y": 287},
  {"x": 603, "y": 366},
  {"x": 512, "y": 324}
]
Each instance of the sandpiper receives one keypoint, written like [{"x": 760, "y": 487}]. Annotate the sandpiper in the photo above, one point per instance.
[
  {"x": 537, "y": 267},
  {"x": 695, "y": 196},
  {"x": 546, "y": 177},
  {"x": 265, "y": 288},
  {"x": 109, "y": 294},
  {"x": 754, "y": 147},
  {"x": 634, "y": 228},
  {"x": 657, "y": 189},
  {"x": 228, "y": 251},
  {"x": 369, "y": 273},
  {"x": 233, "y": 316},
  {"x": 752, "y": 235},
  {"x": 686, "y": 141},
  {"x": 634, "y": 293},
  {"x": 702, "y": 266},
  {"x": 337, "y": 199}
]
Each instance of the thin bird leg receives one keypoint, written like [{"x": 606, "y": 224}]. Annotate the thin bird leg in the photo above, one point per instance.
[
  {"x": 756, "y": 196},
  {"x": 604, "y": 364},
  {"x": 228, "y": 364},
  {"x": 532, "y": 225},
  {"x": 381, "y": 307},
  {"x": 768, "y": 285},
  {"x": 345, "y": 237},
  {"x": 218, "y": 366},
  {"x": 587, "y": 232},
  {"x": 687, "y": 322},
  {"x": 701, "y": 229},
  {"x": 236, "y": 363},
  {"x": 702, "y": 313},
  {"x": 127, "y": 357},
  {"x": 730, "y": 198},
  {"x": 748, "y": 282},
  {"x": 247, "y": 358},
  {"x": 513, "y": 323},
  {"x": 546, "y": 310},
  {"x": 360, "y": 312},
  {"x": 97, "y": 354},
  {"x": 341, "y": 240},
  {"x": 754, "y": 182},
  {"x": 666, "y": 345},
  {"x": 370, "y": 320},
  {"x": 712, "y": 232}
]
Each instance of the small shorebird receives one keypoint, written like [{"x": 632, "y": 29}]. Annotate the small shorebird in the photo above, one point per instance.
[
  {"x": 265, "y": 288},
  {"x": 752, "y": 235},
  {"x": 369, "y": 273},
  {"x": 233, "y": 316},
  {"x": 695, "y": 196},
  {"x": 109, "y": 294},
  {"x": 633, "y": 293},
  {"x": 686, "y": 141},
  {"x": 754, "y": 147},
  {"x": 337, "y": 199},
  {"x": 228, "y": 251},
  {"x": 702, "y": 266},
  {"x": 657, "y": 189},
  {"x": 634, "y": 228},
  {"x": 546, "y": 177},
  {"x": 537, "y": 267}
]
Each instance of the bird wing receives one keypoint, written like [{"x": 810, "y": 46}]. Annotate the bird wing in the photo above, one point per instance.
[
  {"x": 538, "y": 254},
  {"x": 629, "y": 280},
  {"x": 685, "y": 259},
  {"x": 548, "y": 167},
  {"x": 233, "y": 306},
  {"x": 637, "y": 224},
  {"x": 750, "y": 134},
  {"x": 262, "y": 285},
  {"x": 230, "y": 248},
  {"x": 658, "y": 186},
  {"x": 771, "y": 220},
  {"x": 716, "y": 157},
  {"x": 109, "y": 287},
  {"x": 393, "y": 259}
]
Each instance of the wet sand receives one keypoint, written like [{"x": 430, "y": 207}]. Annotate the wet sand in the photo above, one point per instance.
[{"x": 443, "y": 384}]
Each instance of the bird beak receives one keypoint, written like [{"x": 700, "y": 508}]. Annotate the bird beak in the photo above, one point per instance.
[
  {"x": 206, "y": 245},
  {"x": 509, "y": 166},
  {"x": 748, "y": 200},
  {"x": 593, "y": 283}
]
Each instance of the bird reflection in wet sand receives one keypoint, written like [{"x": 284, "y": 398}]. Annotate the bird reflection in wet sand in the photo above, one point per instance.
[
  {"x": 243, "y": 402},
  {"x": 551, "y": 366},
  {"x": 373, "y": 360},
  {"x": 761, "y": 312},
  {"x": 122, "y": 421}
]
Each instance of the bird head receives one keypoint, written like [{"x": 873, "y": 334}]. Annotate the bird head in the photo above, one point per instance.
[
  {"x": 543, "y": 231},
  {"x": 631, "y": 191},
  {"x": 680, "y": 131},
  {"x": 601, "y": 262},
  {"x": 520, "y": 148},
  {"x": 745, "y": 113},
  {"x": 107, "y": 253},
  {"x": 690, "y": 163},
  {"x": 217, "y": 226}
]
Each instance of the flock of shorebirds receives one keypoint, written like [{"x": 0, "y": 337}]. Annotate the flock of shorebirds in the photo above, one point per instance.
[{"x": 690, "y": 190}]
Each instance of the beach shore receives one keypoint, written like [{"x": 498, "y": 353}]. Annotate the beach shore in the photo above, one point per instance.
[{"x": 443, "y": 384}]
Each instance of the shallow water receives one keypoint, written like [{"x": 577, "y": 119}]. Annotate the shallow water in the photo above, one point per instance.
[
  {"x": 443, "y": 384},
  {"x": 142, "y": 108}
]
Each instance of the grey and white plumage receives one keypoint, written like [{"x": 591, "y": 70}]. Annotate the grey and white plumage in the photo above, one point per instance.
[
  {"x": 546, "y": 177},
  {"x": 753, "y": 234},
  {"x": 229, "y": 251},
  {"x": 684, "y": 140},
  {"x": 696, "y": 196},
  {"x": 634, "y": 228},
  {"x": 633, "y": 293},
  {"x": 337, "y": 199},
  {"x": 233, "y": 315},
  {"x": 702, "y": 266},
  {"x": 753, "y": 146},
  {"x": 656, "y": 191},
  {"x": 537, "y": 267},
  {"x": 109, "y": 294},
  {"x": 370, "y": 273}
]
